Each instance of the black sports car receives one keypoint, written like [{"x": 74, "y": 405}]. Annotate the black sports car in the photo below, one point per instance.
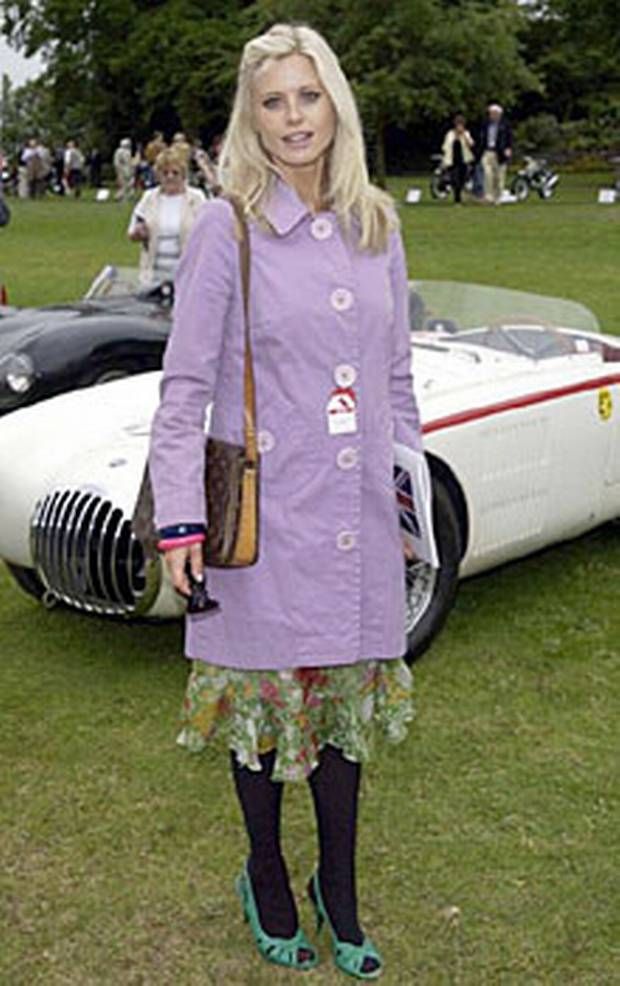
[{"x": 117, "y": 329}]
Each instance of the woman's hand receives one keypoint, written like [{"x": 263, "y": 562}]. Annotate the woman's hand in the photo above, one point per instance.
[
  {"x": 410, "y": 554},
  {"x": 176, "y": 559},
  {"x": 140, "y": 232}
]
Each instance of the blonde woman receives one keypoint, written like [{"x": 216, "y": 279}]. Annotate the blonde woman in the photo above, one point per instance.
[
  {"x": 163, "y": 218},
  {"x": 303, "y": 656}
]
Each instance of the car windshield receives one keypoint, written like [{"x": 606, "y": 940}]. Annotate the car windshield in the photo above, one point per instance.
[
  {"x": 502, "y": 319},
  {"x": 120, "y": 282},
  {"x": 473, "y": 306}
]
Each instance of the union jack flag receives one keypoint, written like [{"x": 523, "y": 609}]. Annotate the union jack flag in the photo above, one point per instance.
[{"x": 406, "y": 502}]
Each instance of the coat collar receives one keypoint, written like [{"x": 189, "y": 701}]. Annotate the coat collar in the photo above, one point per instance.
[{"x": 283, "y": 209}]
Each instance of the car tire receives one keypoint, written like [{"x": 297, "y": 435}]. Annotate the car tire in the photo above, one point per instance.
[
  {"x": 430, "y": 593},
  {"x": 28, "y": 580},
  {"x": 107, "y": 376}
]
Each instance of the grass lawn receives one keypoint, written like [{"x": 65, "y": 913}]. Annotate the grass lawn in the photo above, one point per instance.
[{"x": 489, "y": 840}]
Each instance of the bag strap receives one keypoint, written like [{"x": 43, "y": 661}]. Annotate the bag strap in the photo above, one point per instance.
[{"x": 249, "y": 394}]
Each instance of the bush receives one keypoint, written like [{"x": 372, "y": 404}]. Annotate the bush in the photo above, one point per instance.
[
  {"x": 583, "y": 145},
  {"x": 541, "y": 134}
]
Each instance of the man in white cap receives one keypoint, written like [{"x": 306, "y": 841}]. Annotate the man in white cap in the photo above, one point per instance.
[
  {"x": 495, "y": 147},
  {"x": 124, "y": 168}
]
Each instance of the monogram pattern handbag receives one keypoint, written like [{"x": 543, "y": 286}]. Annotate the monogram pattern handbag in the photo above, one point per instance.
[{"x": 231, "y": 471}]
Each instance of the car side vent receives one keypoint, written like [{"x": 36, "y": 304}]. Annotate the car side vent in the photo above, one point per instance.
[{"x": 86, "y": 553}]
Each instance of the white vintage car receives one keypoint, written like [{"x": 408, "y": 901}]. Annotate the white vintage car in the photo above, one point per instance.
[{"x": 520, "y": 401}]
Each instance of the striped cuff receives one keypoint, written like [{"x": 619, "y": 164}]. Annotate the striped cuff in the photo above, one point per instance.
[
  {"x": 166, "y": 544},
  {"x": 179, "y": 535}
]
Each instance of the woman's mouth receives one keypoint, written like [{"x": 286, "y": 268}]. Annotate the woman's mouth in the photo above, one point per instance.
[{"x": 301, "y": 138}]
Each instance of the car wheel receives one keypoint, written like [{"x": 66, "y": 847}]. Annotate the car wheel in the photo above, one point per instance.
[
  {"x": 430, "y": 592},
  {"x": 27, "y": 579},
  {"x": 520, "y": 189},
  {"x": 107, "y": 376},
  {"x": 438, "y": 187}
]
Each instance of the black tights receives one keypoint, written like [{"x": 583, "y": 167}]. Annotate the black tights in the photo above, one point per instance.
[
  {"x": 261, "y": 802},
  {"x": 335, "y": 789}
]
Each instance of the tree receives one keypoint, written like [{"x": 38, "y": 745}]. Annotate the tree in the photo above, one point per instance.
[
  {"x": 126, "y": 66},
  {"x": 575, "y": 48}
]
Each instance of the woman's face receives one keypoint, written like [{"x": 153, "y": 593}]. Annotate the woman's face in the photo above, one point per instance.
[
  {"x": 172, "y": 179},
  {"x": 293, "y": 113}
]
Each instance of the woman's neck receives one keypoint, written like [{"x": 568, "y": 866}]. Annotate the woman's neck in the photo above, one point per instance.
[{"x": 309, "y": 184}]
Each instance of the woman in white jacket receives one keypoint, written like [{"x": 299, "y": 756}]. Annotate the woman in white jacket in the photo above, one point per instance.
[
  {"x": 163, "y": 218},
  {"x": 458, "y": 155}
]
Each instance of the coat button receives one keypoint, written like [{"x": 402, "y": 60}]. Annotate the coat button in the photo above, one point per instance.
[
  {"x": 346, "y": 540},
  {"x": 345, "y": 375},
  {"x": 321, "y": 228},
  {"x": 347, "y": 457},
  {"x": 341, "y": 299},
  {"x": 265, "y": 441}
]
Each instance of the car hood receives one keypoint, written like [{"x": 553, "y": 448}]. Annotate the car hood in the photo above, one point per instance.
[
  {"x": 25, "y": 324},
  {"x": 21, "y": 326}
]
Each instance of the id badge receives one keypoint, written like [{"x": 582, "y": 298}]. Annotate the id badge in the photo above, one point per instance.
[{"x": 341, "y": 411}]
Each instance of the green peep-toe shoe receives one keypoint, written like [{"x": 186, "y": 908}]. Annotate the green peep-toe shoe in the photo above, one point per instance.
[
  {"x": 348, "y": 957},
  {"x": 282, "y": 951}
]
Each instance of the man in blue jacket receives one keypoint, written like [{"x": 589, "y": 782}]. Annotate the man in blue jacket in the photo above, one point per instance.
[{"x": 495, "y": 149}]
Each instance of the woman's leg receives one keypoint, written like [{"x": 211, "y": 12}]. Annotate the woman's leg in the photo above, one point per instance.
[
  {"x": 457, "y": 185},
  {"x": 261, "y": 802},
  {"x": 335, "y": 791}
]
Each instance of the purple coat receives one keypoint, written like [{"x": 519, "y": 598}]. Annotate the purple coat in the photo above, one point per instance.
[{"x": 330, "y": 333}]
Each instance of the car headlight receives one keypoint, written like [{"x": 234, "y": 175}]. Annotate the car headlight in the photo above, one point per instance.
[{"x": 18, "y": 371}]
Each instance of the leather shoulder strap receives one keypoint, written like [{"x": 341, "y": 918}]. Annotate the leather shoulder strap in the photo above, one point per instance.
[{"x": 249, "y": 394}]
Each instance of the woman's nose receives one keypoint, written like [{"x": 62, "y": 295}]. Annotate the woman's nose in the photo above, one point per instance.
[{"x": 293, "y": 110}]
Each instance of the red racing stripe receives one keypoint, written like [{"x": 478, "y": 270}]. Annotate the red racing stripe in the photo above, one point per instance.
[{"x": 515, "y": 403}]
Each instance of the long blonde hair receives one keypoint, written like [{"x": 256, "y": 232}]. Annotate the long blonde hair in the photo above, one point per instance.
[{"x": 246, "y": 171}]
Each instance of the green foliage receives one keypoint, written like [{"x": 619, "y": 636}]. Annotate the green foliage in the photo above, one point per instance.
[
  {"x": 125, "y": 64},
  {"x": 574, "y": 46},
  {"x": 540, "y": 134},
  {"x": 118, "y": 67},
  {"x": 593, "y": 139}
]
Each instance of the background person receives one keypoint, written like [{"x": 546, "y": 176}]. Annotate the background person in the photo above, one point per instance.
[
  {"x": 95, "y": 164},
  {"x": 206, "y": 171},
  {"x": 31, "y": 162},
  {"x": 73, "y": 168},
  {"x": 182, "y": 146},
  {"x": 304, "y": 654},
  {"x": 124, "y": 170},
  {"x": 153, "y": 149},
  {"x": 495, "y": 148},
  {"x": 457, "y": 154},
  {"x": 163, "y": 218}
]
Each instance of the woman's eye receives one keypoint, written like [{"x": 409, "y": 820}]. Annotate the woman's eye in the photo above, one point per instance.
[
  {"x": 271, "y": 102},
  {"x": 311, "y": 95}
]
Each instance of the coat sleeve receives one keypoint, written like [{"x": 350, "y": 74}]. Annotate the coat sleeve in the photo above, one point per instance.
[
  {"x": 405, "y": 413},
  {"x": 204, "y": 290},
  {"x": 446, "y": 150}
]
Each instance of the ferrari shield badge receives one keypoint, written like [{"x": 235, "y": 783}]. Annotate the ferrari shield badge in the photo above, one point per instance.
[
  {"x": 341, "y": 411},
  {"x": 605, "y": 404}
]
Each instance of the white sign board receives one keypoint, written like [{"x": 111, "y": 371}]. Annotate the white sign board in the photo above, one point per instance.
[
  {"x": 607, "y": 196},
  {"x": 413, "y": 195},
  {"x": 102, "y": 194}
]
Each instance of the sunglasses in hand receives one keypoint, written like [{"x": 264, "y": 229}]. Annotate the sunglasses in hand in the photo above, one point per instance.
[{"x": 199, "y": 600}]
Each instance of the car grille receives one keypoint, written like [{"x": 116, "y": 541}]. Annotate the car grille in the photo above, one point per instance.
[{"x": 87, "y": 555}]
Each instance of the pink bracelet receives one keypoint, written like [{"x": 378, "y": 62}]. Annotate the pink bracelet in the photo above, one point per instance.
[{"x": 167, "y": 544}]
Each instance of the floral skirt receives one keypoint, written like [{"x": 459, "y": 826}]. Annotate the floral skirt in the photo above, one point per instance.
[{"x": 296, "y": 711}]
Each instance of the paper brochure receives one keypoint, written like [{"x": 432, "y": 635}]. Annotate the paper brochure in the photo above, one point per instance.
[{"x": 414, "y": 495}]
